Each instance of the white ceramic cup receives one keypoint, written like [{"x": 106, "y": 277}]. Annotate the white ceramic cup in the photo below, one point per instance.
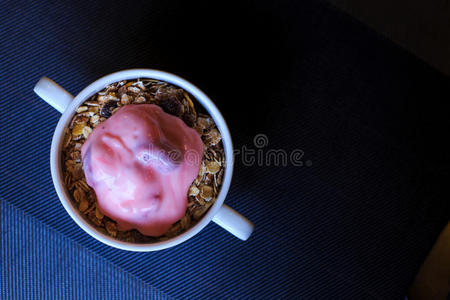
[{"x": 66, "y": 104}]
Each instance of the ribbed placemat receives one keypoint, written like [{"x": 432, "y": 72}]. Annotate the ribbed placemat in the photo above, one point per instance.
[{"x": 40, "y": 263}]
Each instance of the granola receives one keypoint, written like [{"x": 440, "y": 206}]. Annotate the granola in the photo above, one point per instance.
[{"x": 173, "y": 100}]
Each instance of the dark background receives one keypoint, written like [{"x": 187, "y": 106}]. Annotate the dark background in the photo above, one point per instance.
[
  {"x": 371, "y": 118},
  {"x": 422, "y": 27}
]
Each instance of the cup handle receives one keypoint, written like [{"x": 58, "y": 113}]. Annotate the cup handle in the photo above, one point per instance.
[
  {"x": 53, "y": 94},
  {"x": 234, "y": 222}
]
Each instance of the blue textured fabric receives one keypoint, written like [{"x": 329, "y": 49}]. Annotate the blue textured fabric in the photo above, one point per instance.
[
  {"x": 40, "y": 263},
  {"x": 369, "y": 117}
]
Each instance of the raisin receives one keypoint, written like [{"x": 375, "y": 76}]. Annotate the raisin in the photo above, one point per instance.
[
  {"x": 179, "y": 93},
  {"x": 107, "y": 109},
  {"x": 153, "y": 88},
  {"x": 171, "y": 106},
  {"x": 189, "y": 119}
]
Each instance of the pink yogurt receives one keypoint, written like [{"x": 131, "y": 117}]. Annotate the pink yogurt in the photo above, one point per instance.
[{"x": 141, "y": 162}]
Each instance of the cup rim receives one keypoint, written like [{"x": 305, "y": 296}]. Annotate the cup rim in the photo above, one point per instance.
[{"x": 96, "y": 86}]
